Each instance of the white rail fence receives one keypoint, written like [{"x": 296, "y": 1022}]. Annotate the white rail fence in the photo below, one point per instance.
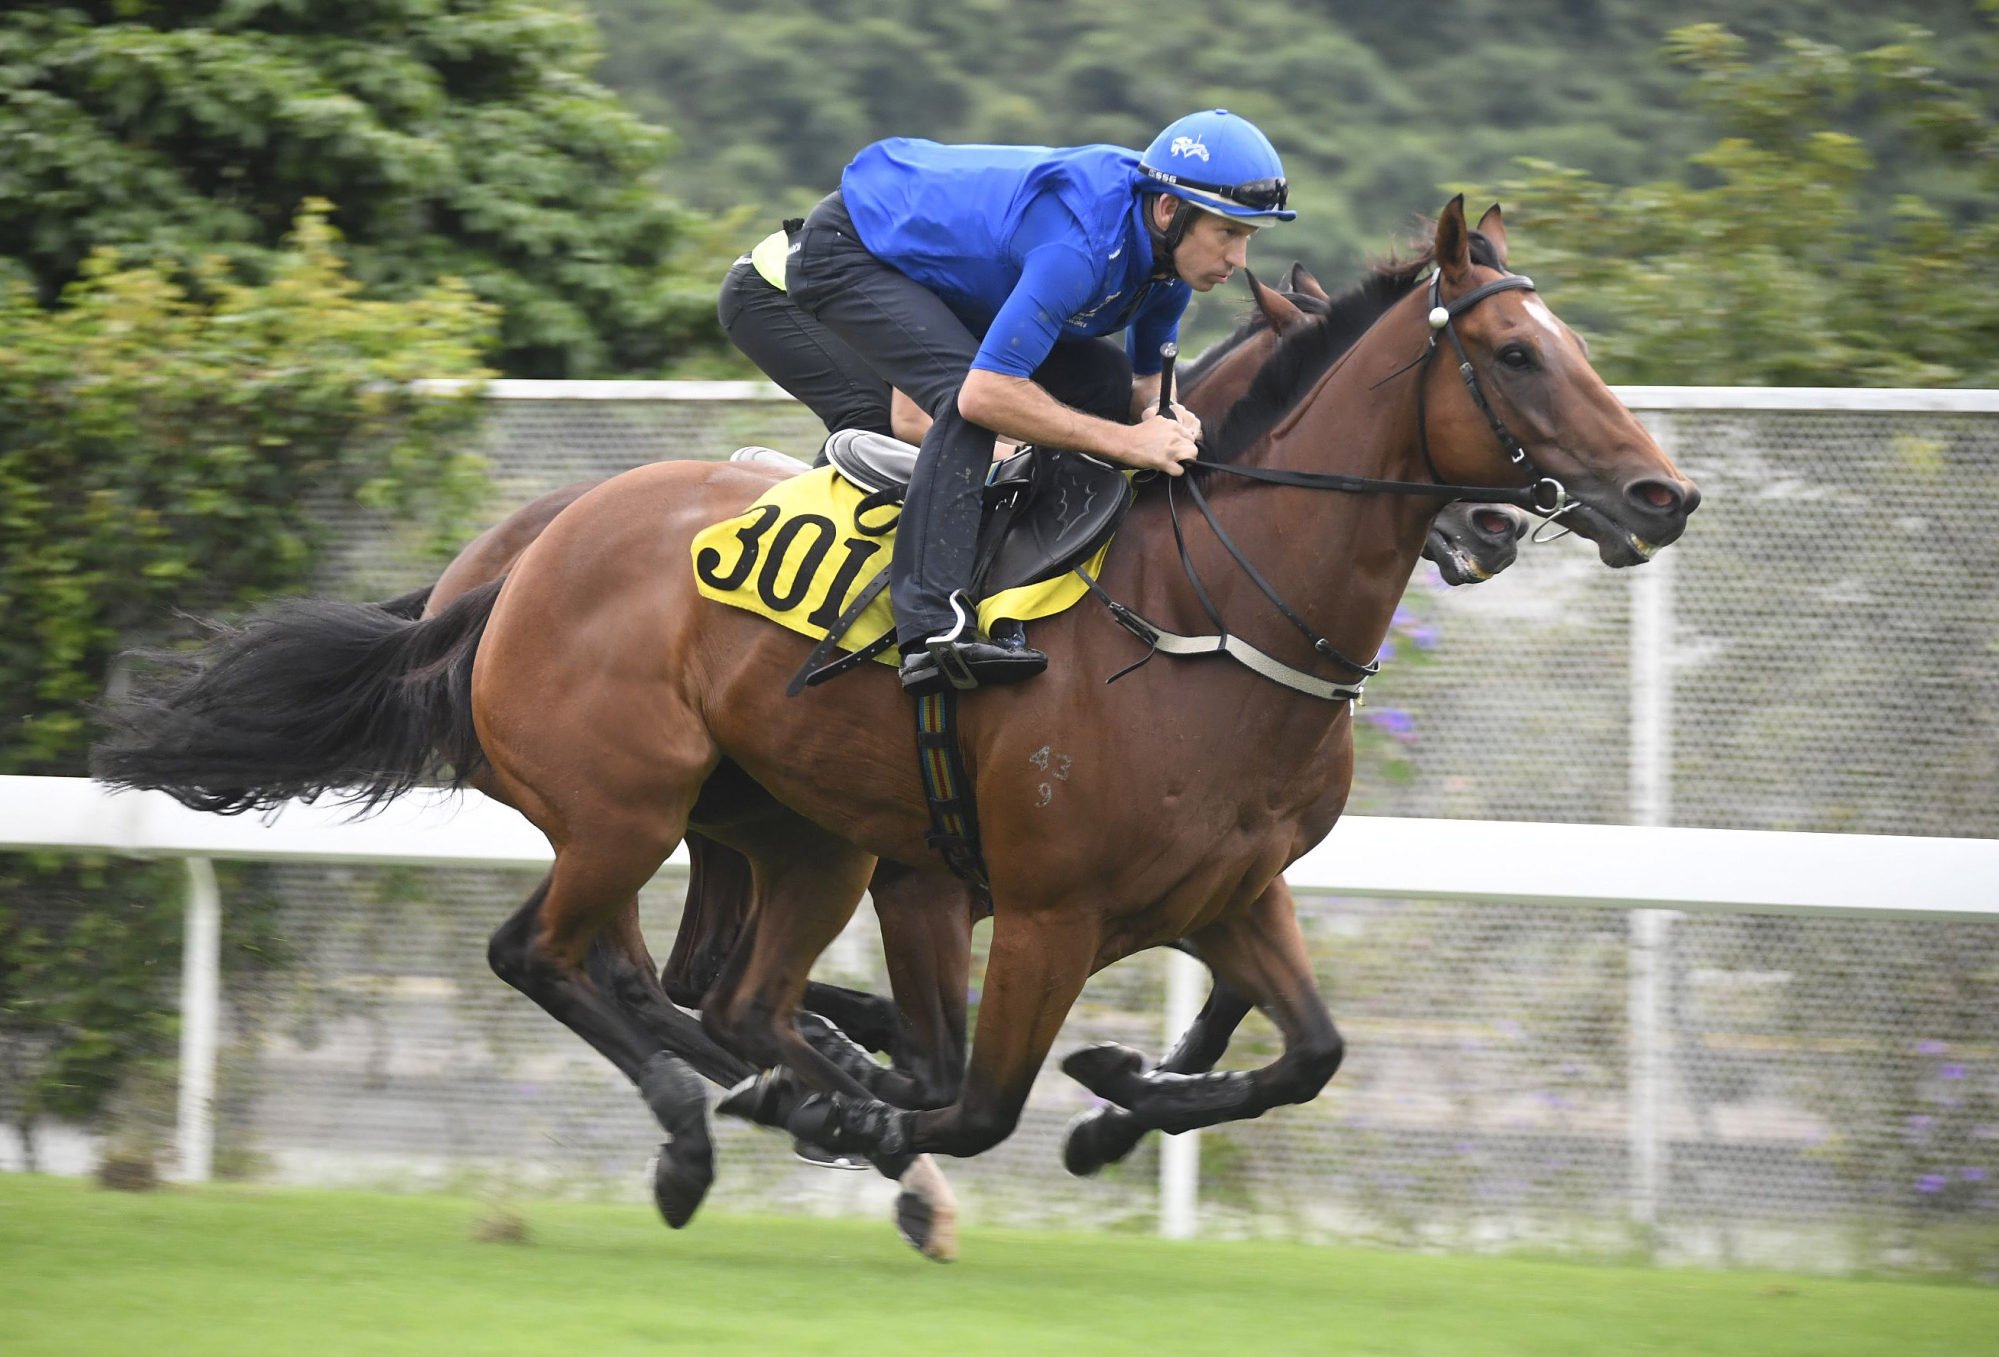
[
  {"x": 1809, "y": 656},
  {"x": 1651, "y": 870}
]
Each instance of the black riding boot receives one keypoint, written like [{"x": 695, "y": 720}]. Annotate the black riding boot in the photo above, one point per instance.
[{"x": 935, "y": 544}]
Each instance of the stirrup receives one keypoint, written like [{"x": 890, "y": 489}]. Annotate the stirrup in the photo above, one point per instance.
[{"x": 944, "y": 649}]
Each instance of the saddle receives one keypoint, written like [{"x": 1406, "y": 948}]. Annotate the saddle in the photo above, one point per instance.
[
  {"x": 1047, "y": 516},
  {"x": 1046, "y": 512}
]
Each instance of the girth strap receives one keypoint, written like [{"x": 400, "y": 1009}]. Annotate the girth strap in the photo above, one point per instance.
[
  {"x": 954, "y": 813},
  {"x": 816, "y": 670}
]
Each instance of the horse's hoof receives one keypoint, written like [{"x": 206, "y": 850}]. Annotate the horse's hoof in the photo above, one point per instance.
[
  {"x": 1081, "y": 1154},
  {"x": 1102, "y": 1067},
  {"x": 679, "y": 1184},
  {"x": 762, "y": 1098},
  {"x": 1097, "y": 1138},
  {"x": 820, "y": 1157},
  {"x": 926, "y": 1212}
]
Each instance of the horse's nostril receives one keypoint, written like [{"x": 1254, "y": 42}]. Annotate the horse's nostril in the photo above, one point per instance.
[
  {"x": 1499, "y": 527},
  {"x": 1657, "y": 496}
]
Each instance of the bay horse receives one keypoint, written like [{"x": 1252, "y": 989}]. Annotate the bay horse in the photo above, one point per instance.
[
  {"x": 617, "y": 710},
  {"x": 924, "y": 912}
]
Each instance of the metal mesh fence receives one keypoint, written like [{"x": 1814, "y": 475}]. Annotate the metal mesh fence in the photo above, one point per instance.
[{"x": 1831, "y": 1087}]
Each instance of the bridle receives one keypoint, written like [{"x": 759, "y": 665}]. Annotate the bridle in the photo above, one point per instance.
[
  {"x": 1557, "y": 501},
  {"x": 1542, "y": 495}
]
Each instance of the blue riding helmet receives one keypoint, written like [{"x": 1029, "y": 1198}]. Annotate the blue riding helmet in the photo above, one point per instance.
[{"x": 1221, "y": 163}]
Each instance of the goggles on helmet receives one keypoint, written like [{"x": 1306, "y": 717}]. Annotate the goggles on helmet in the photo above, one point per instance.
[{"x": 1258, "y": 195}]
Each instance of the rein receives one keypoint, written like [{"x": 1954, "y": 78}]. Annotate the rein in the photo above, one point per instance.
[{"x": 1543, "y": 495}]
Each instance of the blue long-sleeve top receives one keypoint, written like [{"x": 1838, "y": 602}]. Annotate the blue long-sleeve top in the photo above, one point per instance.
[{"x": 1026, "y": 244}]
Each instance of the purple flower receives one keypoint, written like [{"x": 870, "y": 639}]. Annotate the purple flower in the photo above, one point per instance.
[
  {"x": 1387, "y": 651},
  {"x": 1403, "y": 617},
  {"x": 1931, "y": 1047},
  {"x": 1424, "y": 637},
  {"x": 1952, "y": 1071},
  {"x": 1393, "y": 720},
  {"x": 1973, "y": 1175},
  {"x": 1930, "y": 1182}
]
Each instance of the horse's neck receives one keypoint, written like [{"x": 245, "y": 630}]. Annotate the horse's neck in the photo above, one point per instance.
[{"x": 1340, "y": 560}]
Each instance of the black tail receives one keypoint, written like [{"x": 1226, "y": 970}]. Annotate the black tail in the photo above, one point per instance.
[
  {"x": 410, "y": 605},
  {"x": 307, "y": 697}
]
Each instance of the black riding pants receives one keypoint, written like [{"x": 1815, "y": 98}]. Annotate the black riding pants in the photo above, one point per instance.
[
  {"x": 800, "y": 354},
  {"x": 912, "y": 340}
]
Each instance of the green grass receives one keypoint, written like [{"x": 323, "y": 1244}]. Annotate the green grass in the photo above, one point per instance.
[{"x": 234, "y": 1270}]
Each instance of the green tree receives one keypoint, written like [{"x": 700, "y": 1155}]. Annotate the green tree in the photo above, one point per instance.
[
  {"x": 157, "y": 439},
  {"x": 156, "y": 443},
  {"x": 1782, "y": 255},
  {"x": 1372, "y": 112},
  {"x": 459, "y": 139}
]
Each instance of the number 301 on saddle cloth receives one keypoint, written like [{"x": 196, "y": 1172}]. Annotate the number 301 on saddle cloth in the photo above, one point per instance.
[{"x": 807, "y": 549}]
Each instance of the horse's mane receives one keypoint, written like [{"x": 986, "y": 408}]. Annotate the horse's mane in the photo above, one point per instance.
[
  {"x": 1253, "y": 323},
  {"x": 1304, "y": 355}
]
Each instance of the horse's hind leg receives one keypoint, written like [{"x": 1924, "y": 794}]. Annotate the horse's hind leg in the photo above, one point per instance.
[
  {"x": 720, "y": 887},
  {"x": 622, "y": 967},
  {"x": 546, "y": 952},
  {"x": 1260, "y": 953}
]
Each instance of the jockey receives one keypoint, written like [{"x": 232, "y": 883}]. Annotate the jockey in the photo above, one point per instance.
[{"x": 983, "y": 280}]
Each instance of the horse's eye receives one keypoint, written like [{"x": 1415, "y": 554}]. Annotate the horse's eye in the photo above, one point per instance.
[{"x": 1517, "y": 357}]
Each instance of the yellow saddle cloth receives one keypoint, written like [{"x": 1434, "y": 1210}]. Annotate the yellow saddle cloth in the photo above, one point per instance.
[{"x": 798, "y": 557}]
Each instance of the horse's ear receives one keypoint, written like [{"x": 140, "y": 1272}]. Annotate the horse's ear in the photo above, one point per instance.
[
  {"x": 1302, "y": 281},
  {"x": 1283, "y": 315},
  {"x": 1453, "y": 240},
  {"x": 1494, "y": 230}
]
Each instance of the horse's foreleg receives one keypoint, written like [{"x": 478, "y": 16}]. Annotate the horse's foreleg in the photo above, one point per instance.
[
  {"x": 868, "y": 1020},
  {"x": 1260, "y": 953},
  {"x": 926, "y": 926},
  {"x": 1105, "y": 1135},
  {"x": 720, "y": 888},
  {"x": 1037, "y": 967},
  {"x": 807, "y": 885},
  {"x": 717, "y": 902}
]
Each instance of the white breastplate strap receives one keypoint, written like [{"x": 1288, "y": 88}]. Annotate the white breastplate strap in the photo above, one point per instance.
[
  {"x": 1247, "y": 655},
  {"x": 1242, "y": 652}
]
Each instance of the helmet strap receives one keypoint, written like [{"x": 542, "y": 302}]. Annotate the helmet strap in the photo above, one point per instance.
[{"x": 1165, "y": 242}]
